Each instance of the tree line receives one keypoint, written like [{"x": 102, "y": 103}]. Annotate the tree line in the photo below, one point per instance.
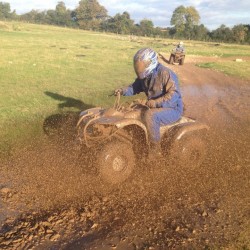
[{"x": 90, "y": 15}]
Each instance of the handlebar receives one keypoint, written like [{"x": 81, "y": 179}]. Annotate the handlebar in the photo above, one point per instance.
[
  {"x": 118, "y": 106},
  {"x": 117, "y": 101}
]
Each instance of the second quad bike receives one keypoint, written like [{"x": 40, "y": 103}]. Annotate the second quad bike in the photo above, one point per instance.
[
  {"x": 118, "y": 139},
  {"x": 177, "y": 57}
]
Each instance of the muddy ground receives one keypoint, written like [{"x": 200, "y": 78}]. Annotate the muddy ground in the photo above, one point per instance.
[{"x": 50, "y": 199}]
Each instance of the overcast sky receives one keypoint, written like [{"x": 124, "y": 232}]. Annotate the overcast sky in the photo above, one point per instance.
[{"x": 213, "y": 13}]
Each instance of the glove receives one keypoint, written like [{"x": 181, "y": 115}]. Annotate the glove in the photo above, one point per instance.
[
  {"x": 118, "y": 91},
  {"x": 151, "y": 103}
]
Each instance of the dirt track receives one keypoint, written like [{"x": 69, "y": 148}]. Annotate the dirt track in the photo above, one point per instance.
[{"x": 48, "y": 201}]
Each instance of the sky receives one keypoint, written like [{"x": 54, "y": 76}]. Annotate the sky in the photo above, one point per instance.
[{"x": 213, "y": 13}]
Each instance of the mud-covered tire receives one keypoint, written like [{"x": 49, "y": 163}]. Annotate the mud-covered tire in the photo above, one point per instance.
[
  {"x": 116, "y": 162},
  {"x": 171, "y": 59},
  {"x": 189, "y": 152},
  {"x": 182, "y": 61}
]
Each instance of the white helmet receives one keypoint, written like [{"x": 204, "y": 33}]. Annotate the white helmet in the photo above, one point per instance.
[
  {"x": 145, "y": 61},
  {"x": 181, "y": 43}
]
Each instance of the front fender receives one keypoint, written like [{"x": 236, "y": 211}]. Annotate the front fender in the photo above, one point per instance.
[
  {"x": 128, "y": 122},
  {"x": 91, "y": 111}
]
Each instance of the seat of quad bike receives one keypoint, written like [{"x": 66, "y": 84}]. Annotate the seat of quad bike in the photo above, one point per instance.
[{"x": 133, "y": 115}]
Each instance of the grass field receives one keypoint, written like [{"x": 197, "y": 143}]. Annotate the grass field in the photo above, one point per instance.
[
  {"x": 46, "y": 70},
  {"x": 239, "y": 69}
]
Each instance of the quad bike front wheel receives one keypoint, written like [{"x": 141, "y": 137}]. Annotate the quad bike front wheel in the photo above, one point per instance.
[
  {"x": 189, "y": 152},
  {"x": 116, "y": 162}
]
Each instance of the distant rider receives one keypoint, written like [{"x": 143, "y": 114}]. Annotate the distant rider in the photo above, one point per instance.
[
  {"x": 180, "y": 47},
  {"x": 160, "y": 84}
]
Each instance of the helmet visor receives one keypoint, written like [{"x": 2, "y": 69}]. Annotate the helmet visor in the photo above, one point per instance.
[{"x": 141, "y": 69}]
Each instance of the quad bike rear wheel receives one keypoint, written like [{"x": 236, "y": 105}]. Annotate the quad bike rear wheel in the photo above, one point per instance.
[
  {"x": 116, "y": 162},
  {"x": 189, "y": 152},
  {"x": 182, "y": 61}
]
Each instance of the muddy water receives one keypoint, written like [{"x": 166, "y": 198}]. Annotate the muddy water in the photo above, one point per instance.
[
  {"x": 48, "y": 201},
  {"x": 225, "y": 108}
]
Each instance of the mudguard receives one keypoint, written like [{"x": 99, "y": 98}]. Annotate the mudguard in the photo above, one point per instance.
[
  {"x": 187, "y": 128},
  {"x": 124, "y": 122},
  {"x": 91, "y": 111}
]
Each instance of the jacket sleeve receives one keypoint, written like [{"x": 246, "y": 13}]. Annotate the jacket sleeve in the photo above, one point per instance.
[
  {"x": 133, "y": 89},
  {"x": 170, "y": 95}
]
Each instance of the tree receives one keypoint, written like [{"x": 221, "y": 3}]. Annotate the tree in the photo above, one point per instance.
[
  {"x": 222, "y": 34},
  {"x": 247, "y": 39},
  {"x": 178, "y": 19},
  {"x": 184, "y": 20},
  {"x": 120, "y": 23},
  {"x": 192, "y": 16},
  {"x": 34, "y": 16},
  {"x": 200, "y": 32},
  {"x": 62, "y": 15},
  {"x": 239, "y": 33},
  {"x": 89, "y": 14},
  {"x": 146, "y": 27},
  {"x": 51, "y": 17},
  {"x": 5, "y": 12}
]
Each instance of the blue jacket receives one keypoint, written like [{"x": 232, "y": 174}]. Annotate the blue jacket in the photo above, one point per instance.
[{"x": 161, "y": 86}]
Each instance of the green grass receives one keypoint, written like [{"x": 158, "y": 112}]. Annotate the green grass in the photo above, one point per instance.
[
  {"x": 46, "y": 70},
  {"x": 67, "y": 63},
  {"x": 233, "y": 68},
  {"x": 216, "y": 49}
]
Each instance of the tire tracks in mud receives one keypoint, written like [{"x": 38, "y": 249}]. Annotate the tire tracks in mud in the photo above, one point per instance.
[{"x": 170, "y": 210}]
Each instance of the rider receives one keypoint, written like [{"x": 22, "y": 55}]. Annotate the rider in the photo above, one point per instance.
[
  {"x": 180, "y": 47},
  {"x": 161, "y": 87}
]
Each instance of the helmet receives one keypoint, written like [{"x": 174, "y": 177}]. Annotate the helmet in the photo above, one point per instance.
[
  {"x": 180, "y": 43},
  {"x": 145, "y": 61}
]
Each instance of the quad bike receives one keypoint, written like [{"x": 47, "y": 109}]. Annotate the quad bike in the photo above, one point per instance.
[
  {"x": 176, "y": 57},
  {"x": 118, "y": 138}
]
